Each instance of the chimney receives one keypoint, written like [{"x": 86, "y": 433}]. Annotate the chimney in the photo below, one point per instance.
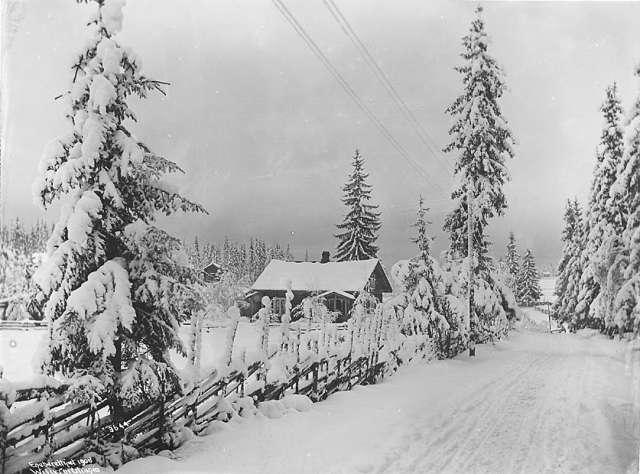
[{"x": 326, "y": 257}]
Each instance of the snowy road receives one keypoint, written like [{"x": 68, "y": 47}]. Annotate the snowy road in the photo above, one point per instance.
[
  {"x": 550, "y": 408},
  {"x": 535, "y": 403}
]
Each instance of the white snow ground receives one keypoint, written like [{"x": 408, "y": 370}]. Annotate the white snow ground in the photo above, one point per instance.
[{"x": 537, "y": 402}]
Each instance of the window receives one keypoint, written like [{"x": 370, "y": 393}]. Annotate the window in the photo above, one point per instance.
[{"x": 277, "y": 305}]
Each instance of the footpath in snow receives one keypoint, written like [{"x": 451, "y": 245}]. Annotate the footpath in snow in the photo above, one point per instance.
[{"x": 536, "y": 402}]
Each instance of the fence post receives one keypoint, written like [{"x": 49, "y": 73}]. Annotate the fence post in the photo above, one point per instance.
[
  {"x": 3, "y": 435},
  {"x": 315, "y": 380},
  {"x": 349, "y": 372},
  {"x": 243, "y": 365},
  {"x": 4, "y": 413}
]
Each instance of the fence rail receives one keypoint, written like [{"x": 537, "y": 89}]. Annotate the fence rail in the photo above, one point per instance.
[
  {"x": 45, "y": 427},
  {"x": 22, "y": 324}
]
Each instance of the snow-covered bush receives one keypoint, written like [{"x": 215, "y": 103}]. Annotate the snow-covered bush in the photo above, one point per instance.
[
  {"x": 221, "y": 295},
  {"x": 493, "y": 302},
  {"x": 21, "y": 252},
  {"x": 313, "y": 309},
  {"x": 16, "y": 269},
  {"x": 423, "y": 313}
]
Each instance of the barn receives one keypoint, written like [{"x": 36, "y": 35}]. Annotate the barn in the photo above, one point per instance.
[{"x": 338, "y": 282}]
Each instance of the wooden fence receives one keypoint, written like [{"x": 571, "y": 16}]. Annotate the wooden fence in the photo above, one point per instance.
[
  {"x": 43, "y": 427},
  {"x": 22, "y": 324}
]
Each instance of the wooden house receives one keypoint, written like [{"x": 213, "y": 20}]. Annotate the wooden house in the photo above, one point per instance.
[
  {"x": 338, "y": 282},
  {"x": 213, "y": 272}
]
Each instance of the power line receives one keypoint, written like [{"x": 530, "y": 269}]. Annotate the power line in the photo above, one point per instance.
[
  {"x": 422, "y": 133},
  {"x": 311, "y": 44},
  {"x": 291, "y": 19}
]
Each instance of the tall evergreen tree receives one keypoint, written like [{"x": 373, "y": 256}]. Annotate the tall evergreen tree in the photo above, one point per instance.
[
  {"x": 605, "y": 218},
  {"x": 571, "y": 223},
  {"x": 482, "y": 141},
  {"x": 529, "y": 291},
  {"x": 512, "y": 263},
  {"x": 113, "y": 286},
  {"x": 624, "y": 277},
  {"x": 569, "y": 269},
  {"x": 359, "y": 229}
]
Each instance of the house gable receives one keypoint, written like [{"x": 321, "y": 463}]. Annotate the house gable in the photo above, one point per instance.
[
  {"x": 381, "y": 281},
  {"x": 349, "y": 276}
]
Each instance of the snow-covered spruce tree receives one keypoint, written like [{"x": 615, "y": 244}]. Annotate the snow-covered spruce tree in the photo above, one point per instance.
[
  {"x": 569, "y": 269},
  {"x": 359, "y": 230},
  {"x": 482, "y": 142},
  {"x": 512, "y": 263},
  {"x": 423, "y": 312},
  {"x": 624, "y": 274},
  {"x": 529, "y": 291},
  {"x": 113, "y": 286},
  {"x": 604, "y": 218},
  {"x": 571, "y": 224}
]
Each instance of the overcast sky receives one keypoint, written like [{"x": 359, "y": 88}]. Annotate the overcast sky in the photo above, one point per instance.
[{"x": 265, "y": 134}]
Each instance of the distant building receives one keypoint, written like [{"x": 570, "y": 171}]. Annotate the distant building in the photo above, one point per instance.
[
  {"x": 4, "y": 304},
  {"x": 338, "y": 282},
  {"x": 213, "y": 272}
]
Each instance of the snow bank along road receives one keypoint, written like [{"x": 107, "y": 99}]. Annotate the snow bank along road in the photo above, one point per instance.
[{"x": 534, "y": 403}]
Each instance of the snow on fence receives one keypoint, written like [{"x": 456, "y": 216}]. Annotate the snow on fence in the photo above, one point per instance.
[
  {"x": 41, "y": 426},
  {"x": 22, "y": 324}
]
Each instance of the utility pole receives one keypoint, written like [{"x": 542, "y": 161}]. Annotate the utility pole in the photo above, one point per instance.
[{"x": 470, "y": 220}]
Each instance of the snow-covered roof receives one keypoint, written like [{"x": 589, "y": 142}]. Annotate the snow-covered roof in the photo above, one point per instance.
[
  {"x": 313, "y": 276},
  {"x": 338, "y": 292},
  {"x": 216, "y": 266}
]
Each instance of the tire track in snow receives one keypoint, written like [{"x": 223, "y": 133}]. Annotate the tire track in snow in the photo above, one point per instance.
[
  {"x": 441, "y": 446},
  {"x": 551, "y": 410},
  {"x": 502, "y": 425},
  {"x": 501, "y": 414}
]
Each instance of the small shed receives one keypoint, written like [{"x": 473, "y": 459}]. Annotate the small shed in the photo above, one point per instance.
[
  {"x": 338, "y": 282},
  {"x": 213, "y": 272}
]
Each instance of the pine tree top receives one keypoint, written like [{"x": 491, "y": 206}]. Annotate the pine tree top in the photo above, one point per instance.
[
  {"x": 422, "y": 238},
  {"x": 481, "y": 140},
  {"x": 572, "y": 219},
  {"x": 362, "y": 221}
]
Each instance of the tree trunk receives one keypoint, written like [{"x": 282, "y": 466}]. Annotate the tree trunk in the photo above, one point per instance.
[{"x": 472, "y": 350}]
